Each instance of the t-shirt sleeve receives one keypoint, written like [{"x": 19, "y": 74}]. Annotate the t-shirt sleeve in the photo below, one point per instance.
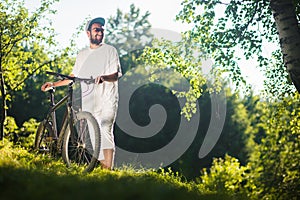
[
  {"x": 75, "y": 70},
  {"x": 115, "y": 65},
  {"x": 78, "y": 63}
]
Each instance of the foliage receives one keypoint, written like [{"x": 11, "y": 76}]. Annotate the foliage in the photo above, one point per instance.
[
  {"x": 275, "y": 160},
  {"x": 28, "y": 57},
  {"x": 238, "y": 130},
  {"x": 181, "y": 57},
  {"x": 11, "y": 128},
  {"x": 36, "y": 101},
  {"x": 27, "y": 136},
  {"x": 224, "y": 176},
  {"x": 231, "y": 30},
  {"x": 24, "y": 42},
  {"x": 128, "y": 32},
  {"x": 235, "y": 139},
  {"x": 269, "y": 152},
  {"x": 27, "y": 48},
  {"x": 277, "y": 79},
  {"x": 25, "y": 45},
  {"x": 24, "y": 135},
  {"x": 271, "y": 131}
]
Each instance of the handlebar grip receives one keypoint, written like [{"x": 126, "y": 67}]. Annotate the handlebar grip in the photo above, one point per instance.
[{"x": 49, "y": 88}]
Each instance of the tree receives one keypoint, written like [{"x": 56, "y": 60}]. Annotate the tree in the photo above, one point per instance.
[
  {"x": 245, "y": 26},
  {"x": 180, "y": 57},
  {"x": 235, "y": 139},
  {"x": 129, "y": 31},
  {"x": 287, "y": 24},
  {"x": 25, "y": 47}
]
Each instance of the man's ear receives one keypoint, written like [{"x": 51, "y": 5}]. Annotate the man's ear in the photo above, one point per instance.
[{"x": 88, "y": 33}]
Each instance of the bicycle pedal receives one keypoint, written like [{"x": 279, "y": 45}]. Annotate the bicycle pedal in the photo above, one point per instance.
[{"x": 44, "y": 150}]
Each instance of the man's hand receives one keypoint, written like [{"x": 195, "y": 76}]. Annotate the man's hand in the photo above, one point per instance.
[
  {"x": 46, "y": 85},
  {"x": 99, "y": 80},
  {"x": 109, "y": 78}
]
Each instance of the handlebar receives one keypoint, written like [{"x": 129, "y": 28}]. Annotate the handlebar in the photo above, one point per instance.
[{"x": 73, "y": 78}]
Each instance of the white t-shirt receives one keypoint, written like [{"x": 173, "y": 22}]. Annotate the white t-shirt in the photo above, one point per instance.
[{"x": 93, "y": 63}]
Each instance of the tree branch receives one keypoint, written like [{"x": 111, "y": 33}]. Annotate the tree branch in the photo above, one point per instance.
[{"x": 32, "y": 73}]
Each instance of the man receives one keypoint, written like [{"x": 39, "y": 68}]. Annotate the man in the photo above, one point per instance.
[{"x": 99, "y": 60}]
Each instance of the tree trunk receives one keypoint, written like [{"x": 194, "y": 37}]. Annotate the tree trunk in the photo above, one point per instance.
[
  {"x": 3, "y": 113},
  {"x": 3, "y": 106},
  {"x": 289, "y": 35}
]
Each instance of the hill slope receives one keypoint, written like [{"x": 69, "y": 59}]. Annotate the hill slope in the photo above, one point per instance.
[{"x": 25, "y": 175}]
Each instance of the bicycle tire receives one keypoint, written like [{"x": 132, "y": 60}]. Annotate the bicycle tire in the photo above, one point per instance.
[
  {"x": 44, "y": 138},
  {"x": 78, "y": 148}
]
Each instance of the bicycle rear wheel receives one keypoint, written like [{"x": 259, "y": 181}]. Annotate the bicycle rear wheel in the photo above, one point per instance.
[
  {"x": 82, "y": 145},
  {"x": 44, "y": 142}
]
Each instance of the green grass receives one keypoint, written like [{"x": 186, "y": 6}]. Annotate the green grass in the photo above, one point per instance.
[{"x": 25, "y": 175}]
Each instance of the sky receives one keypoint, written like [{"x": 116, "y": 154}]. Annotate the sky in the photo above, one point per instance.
[{"x": 72, "y": 13}]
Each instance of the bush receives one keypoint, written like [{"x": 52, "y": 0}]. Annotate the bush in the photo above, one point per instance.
[
  {"x": 225, "y": 176},
  {"x": 23, "y": 136},
  {"x": 275, "y": 162}
]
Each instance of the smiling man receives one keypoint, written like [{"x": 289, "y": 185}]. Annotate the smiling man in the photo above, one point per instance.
[
  {"x": 102, "y": 61},
  {"x": 99, "y": 60}
]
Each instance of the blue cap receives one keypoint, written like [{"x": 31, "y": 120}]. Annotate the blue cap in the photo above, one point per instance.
[{"x": 99, "y": 20}]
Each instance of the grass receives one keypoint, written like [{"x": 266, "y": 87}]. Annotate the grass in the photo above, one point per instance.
[{"x": 25, "y": 175}]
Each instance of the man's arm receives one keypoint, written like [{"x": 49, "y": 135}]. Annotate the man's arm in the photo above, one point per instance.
[
  {"x": 109, "y": 78},
  {"x": 56, "y": 84}
]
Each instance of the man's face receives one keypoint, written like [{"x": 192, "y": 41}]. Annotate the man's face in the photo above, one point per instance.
[{"x": 96, "y": 34}]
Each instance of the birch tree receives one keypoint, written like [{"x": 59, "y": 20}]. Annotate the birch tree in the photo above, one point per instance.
[{"x": 284, "y": 12}]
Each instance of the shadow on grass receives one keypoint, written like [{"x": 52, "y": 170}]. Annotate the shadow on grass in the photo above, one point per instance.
[{"x": 32, "y": 184}]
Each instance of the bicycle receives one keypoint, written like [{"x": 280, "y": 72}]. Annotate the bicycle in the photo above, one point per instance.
[{"x": 79, "y": 129}]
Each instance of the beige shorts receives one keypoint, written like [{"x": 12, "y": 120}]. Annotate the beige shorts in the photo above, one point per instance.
[{"x": 106, "y": 119}]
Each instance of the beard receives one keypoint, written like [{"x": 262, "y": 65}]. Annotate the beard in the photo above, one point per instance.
[{"x": 96, "y": 41}]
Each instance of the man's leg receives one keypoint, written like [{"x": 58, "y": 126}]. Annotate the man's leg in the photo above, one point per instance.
[
  {"x": 107, "y": 163},
  {"x": 106, "y": 120}
]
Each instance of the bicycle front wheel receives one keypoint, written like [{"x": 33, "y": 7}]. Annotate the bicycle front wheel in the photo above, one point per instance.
[{"x": 82, "y": 144}]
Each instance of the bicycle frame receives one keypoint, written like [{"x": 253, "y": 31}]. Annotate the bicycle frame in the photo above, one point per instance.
[{"x": 67, "y": 118}]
